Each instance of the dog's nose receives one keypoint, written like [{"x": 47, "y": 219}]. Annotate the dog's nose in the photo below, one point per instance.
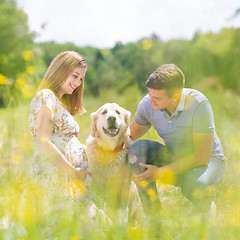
[{"x": 111, "y": 119}]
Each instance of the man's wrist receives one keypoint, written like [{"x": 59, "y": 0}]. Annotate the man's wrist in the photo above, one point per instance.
[{"x": 128, "y": 142}]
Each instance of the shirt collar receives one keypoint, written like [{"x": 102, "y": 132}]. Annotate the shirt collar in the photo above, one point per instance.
[{"x": 181, "y": 103}]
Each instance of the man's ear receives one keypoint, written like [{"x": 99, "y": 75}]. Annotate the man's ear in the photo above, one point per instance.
[
  {"x": 94, "y": 125},
  {"x": 176, "y": 97}
]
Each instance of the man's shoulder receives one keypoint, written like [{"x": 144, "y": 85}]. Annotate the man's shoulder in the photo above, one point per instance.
[
  {"x": 144, "y": 105},
  {"x": 146, "y": 97},
  {"x": 194, "y": 95},
  {"x": 145, "y": 100}
]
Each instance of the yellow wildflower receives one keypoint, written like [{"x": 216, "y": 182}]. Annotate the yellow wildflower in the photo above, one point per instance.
[
  {"x": 152, "y": 194},
  {"x": 135, "y": 233},
  {"x": 26, "y": 91},
  {"x": 27, "y": 55},
  {"x": 16, "y": 158},
  {"x": 25, "y": 135},
  {"x": 77, "y": 188},
  {"x": 143, "y": 183},
  {"x": 3, "y": 79},
  {"x": 75, "y": 237},
  {"x": 30, "y": 69},
  {"x": 166, "y": 176},
  {"x": 146, "y": 44},
  {"x": 20, "y": 81}
]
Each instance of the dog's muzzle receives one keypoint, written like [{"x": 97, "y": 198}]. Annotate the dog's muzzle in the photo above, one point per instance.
[{"x": 112, "y": 130}]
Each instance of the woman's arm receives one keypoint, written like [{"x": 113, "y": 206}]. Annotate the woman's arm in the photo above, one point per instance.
[{"x": 44, "y": 128}]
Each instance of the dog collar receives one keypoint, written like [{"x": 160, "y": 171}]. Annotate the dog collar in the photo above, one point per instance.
[{"x": 116, "y": 149}]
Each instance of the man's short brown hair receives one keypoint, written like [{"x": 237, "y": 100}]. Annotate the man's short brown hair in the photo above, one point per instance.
[{"x": 167, "y": 76}]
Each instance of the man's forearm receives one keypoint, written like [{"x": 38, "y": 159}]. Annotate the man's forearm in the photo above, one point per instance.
[
  {"x": 203, "y": 149},
  {"x": 184, "y": 164},
  {"x": 137, "y": 131}
]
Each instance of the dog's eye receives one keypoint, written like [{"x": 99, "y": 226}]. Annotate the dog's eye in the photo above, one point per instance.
[
  {"x": 104, "y": 112},
  {"x": 117, "y": 112}
]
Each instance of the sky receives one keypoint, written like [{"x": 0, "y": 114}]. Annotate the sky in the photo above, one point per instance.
[{"x": 102, "y": 23}]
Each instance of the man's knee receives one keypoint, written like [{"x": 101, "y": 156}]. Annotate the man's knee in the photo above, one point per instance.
[{"x": 137, "y": 153}]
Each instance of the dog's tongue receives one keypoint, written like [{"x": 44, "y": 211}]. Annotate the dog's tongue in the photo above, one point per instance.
[{"x": 112, "y": 130}]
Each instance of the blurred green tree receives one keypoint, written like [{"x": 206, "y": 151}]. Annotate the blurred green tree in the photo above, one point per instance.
[{"x": 14, "y": 38}]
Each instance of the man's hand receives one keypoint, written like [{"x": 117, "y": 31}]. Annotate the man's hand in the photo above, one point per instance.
[
  {"x": 128, "y": 142},
  {"x": 149, "y": 175}
]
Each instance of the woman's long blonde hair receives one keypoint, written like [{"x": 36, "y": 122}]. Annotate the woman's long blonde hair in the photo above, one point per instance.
[{"x": 58, "y": 71}]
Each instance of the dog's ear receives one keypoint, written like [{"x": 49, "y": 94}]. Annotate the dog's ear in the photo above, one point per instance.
[
  {"x": 94, "y": 126},
  {"x": 127, "y": 117}
]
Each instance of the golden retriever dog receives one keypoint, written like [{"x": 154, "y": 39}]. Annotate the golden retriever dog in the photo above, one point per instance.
[{"x": 106, "y": 152}]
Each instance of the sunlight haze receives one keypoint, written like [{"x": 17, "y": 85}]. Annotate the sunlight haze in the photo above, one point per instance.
[{"x": 103, "y": 23}]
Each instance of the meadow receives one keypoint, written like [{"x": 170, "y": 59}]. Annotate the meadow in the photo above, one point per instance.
[{"x": 28, "y": 211}]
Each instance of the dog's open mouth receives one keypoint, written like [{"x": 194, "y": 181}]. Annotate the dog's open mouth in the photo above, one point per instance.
[{"x": 111, "y": 131}]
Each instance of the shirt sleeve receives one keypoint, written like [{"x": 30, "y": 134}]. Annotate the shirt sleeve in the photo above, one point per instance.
[
  {"x": 203, "y": 120},
  {"x": 46, "y": 97},
  {"x": 141, "y": 114}
]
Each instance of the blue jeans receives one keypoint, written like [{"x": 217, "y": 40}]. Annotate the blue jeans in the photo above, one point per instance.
[{"x": 154, "y": 153}]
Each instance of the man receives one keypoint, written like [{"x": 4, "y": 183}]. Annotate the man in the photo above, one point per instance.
[{"x": 192, "y": 153}]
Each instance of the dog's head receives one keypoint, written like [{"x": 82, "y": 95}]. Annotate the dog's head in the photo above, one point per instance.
[{"x": 110, "y": 124}]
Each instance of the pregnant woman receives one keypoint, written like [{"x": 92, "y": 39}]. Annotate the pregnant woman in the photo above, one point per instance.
[{"x": 58, "y": 153}]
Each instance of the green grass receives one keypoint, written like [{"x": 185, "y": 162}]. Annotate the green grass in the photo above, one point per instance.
[{"x": 29, "y": 211}]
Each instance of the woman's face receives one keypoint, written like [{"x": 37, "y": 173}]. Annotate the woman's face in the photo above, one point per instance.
[{"x": 74, "y": 80}]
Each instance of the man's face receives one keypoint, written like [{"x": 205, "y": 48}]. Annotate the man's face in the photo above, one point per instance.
[{"x": 160, "y": 100}]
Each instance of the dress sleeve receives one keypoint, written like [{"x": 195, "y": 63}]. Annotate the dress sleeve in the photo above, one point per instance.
[
  {"x": 203, "y": 120},
  {"x": 46, "y": 97}
]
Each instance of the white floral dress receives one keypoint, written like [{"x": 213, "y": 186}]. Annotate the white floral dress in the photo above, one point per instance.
[{"x": 64, "y": 136}]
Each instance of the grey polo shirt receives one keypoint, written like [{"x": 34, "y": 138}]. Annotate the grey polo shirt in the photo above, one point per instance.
[{"x": 192, "y": 115}]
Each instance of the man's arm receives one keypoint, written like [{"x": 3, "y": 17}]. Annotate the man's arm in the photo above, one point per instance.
[
  {"x": 203, "y": 143},
  {"x": 137, "y": 131}
]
